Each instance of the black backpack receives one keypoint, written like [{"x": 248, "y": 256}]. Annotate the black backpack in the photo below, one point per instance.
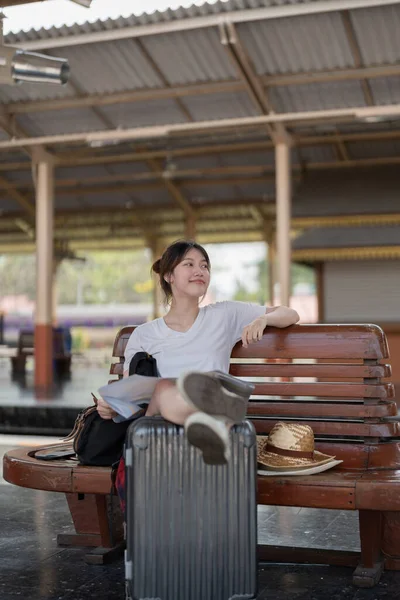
[{"x": 99, "y": 442}]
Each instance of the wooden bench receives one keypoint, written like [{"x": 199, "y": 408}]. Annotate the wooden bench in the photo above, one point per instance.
[
  {"x": 25, "y": 348},
  {"x": 329, "y": 376}
]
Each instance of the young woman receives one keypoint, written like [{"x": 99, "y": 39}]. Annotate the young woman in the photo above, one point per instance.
[{"x": 192, "y": 346}]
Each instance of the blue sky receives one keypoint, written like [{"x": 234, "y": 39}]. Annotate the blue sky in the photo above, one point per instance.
[{"x": 63, "y": 12}]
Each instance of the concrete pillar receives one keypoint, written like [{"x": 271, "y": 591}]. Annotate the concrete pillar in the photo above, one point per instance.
[
  {"x": 190, "y": 227},
  {"x": 283, "y": 212},
  {"x": 44, "y": 275},
  {"x": 271, "y": 267},
  {"x": 158, "y": 296}
]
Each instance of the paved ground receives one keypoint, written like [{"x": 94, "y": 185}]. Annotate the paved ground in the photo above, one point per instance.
[{"x": 33, "y": 567}]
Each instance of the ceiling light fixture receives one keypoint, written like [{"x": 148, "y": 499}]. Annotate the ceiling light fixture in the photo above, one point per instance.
[{"x": 18, "y": 66}]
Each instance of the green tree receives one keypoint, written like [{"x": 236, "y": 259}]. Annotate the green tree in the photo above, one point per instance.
[
  {"x": 299, "y": 274},
  {"x": 104, "y": 277},
  {"x": 17, "y": 275}
]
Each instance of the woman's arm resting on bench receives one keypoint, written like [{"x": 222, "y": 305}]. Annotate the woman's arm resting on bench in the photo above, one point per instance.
[{"x": 277, "y": 316}]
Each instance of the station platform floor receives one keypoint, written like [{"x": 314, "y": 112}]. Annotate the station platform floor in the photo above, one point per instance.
[{"x": 32, "y": 567}]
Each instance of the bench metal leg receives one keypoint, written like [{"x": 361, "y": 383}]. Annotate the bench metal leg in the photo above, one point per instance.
[
  {"x": 90, "y": 515},
  {"x": 368, "y": 573}
]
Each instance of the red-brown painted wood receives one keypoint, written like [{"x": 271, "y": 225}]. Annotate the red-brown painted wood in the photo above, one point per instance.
[
  {"x": 304, "y": 341},
  {"x": 336, "y": 428},
  {"x": 334, "y": 489},
  {"x": 321, "y": 410},
  {"x": 319, "y": 341},
  {"x": 391, "y": 535},
  {"x": 316, "y": 370},
  {"x": 326, "y": 390}
]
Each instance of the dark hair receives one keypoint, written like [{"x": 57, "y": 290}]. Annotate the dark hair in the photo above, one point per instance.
[{"x": 171, "y": 257}]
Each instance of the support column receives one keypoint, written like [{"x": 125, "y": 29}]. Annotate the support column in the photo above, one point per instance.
[
  {"x": 190, "y": 227},
  {"x": 44, "y": 275},
  {"x": 158, "y": 299},
  {"x": 283, "y": 212},
  {"x": 271, "y": 268}
]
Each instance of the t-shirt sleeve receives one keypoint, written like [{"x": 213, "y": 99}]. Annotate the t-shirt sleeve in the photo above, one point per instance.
[
  {"x": 240, "y": 314},
  {"x": 132, "y": 347}
]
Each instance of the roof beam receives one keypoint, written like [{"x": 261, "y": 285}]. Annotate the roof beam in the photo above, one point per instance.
[
  {"x": 224, "y": 87},
  {"x": 356, "y": 53},
  {"x": 241, "y": 62},
  {"x": 142, "y": 49},
  {"x": 142, "y": 95},
  {"x": 337, "y": 115},
  {"x": 213, "y": 20},
  {"x": 215, "y": 176},
  {"x": 352, "y": 73},
  {"x": 173, "y": 189},
  {"x": 22, "y": 200}
]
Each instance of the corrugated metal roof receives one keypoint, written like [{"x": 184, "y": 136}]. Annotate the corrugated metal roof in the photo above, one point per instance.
[
  {"x": 190, "y": 56},
  {"x": 309, "y": 43},
  {"x": 109, "y": 67},
  {"x": 377, "y": 30},
  {"x": 148, "y": 18},
  {"x": 140, "y": 114},
  {"x": 348, "y": 237},
  {"x": 361, "y": 191},
  {"x": 63, "y": 121},
  {"x": 315, "y": 154},
  {"x": 7, "y": 205},
  {"x": 31, "y": 91},
  {"x": 262, "y": 190},
  {"x": 259, "y": 159},
  {"x": 385, "y": 90},
  {"x": 200, "y": 194},
  {"x": 374, "y": 149},
  {"x": 317, "y": 96},
  {"x": 304, "y": 44},
  {"x": 220, "y": 106}
]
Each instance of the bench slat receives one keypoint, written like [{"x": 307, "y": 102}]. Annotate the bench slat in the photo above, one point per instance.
[
  {"x": 332, "y": 489},
  {"x": 329, "y": 390},
  {"x": 317, "y": 370},
  {"x": 366, "y": 342},
  {"x": 335, "y": 428},
  {"x": 322, "y": 410}
]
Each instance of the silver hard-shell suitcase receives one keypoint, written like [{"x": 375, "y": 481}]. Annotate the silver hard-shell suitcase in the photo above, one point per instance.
[{"x": 191, "y": 528}]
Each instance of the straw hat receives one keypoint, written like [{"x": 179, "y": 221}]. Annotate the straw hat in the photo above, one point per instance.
[{"x": 290, "y": 446}]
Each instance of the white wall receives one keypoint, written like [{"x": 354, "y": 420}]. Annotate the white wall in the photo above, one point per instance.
[{"x": 360, "y": 291}]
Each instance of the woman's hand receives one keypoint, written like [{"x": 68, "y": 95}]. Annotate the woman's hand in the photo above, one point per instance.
[
  {"x": 105, "y": 411},
  {"x": 254, "y": 331}
]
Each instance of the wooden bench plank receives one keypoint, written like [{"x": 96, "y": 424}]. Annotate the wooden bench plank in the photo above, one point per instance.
[
  {"x": 367, "y": 342},
  {"x": 327, "y": 390},
  {"x": 320, "y": 410},
  {"x": 335, "y": 428},
  {"x": 316, "y": 370},
  {"x": 331, "y": 489}
]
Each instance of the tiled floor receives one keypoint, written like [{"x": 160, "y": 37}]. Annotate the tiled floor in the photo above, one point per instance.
[{"x": 33, "y": 567}]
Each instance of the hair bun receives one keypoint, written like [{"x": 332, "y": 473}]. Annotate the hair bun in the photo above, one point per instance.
[{"x": 156, "y": 266}]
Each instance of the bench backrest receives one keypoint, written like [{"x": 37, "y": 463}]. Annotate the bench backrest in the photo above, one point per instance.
[{"x": 328, "y": 376}]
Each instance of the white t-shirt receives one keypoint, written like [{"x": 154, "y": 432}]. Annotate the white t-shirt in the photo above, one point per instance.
[{"x": 206, "y": 346}]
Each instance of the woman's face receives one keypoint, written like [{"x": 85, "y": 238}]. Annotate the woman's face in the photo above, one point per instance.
[{"x": 191, "y": 276}]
